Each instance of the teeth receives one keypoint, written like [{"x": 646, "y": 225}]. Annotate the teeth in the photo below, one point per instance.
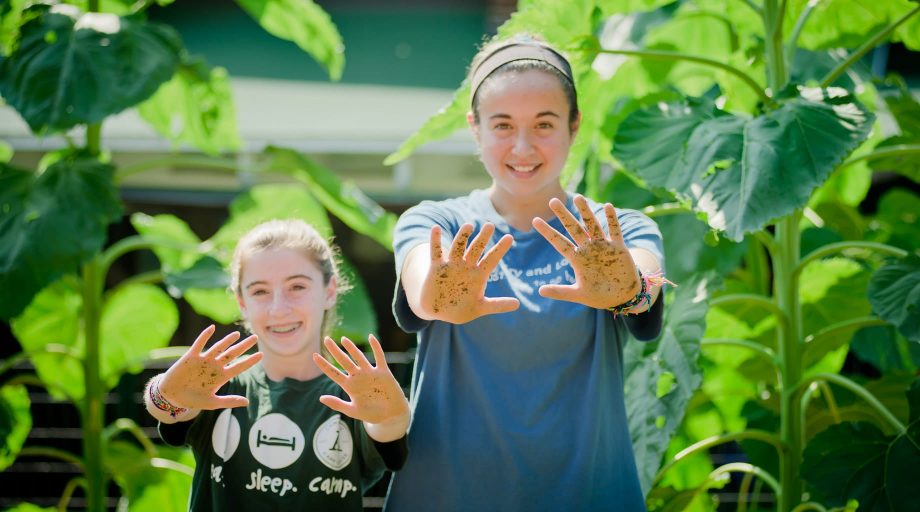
[
  {"x": 282, "y": 330},
  {"x": 523, "y": 168}
]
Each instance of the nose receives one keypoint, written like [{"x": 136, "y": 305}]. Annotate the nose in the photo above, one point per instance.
[
  {"x": 279, "y": 305},
  {"x": 522, "y": 143}
]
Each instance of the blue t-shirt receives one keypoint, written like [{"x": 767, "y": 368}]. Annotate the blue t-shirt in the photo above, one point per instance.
[{"x": 520, "y": 410}]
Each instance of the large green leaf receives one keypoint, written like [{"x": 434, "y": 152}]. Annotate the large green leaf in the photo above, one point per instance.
[
  {"x": 342, "y": 198},
  {"x": 195, "y": 107},
  {"x": 895, "y": 295},
  {"x": 857, "y": 461},
  {"x": 440, "y": 125},
  {"x": 661, "y": 377},
  {"x": 15, "y": 422},
  {"x": 895, "y": 222},
  {"x": 29, "y": 507},
  {"x": 150, "y": 482},
  {"x": 52, "y": 319},
  {"x": 170, "y": 234},
  {"x": 743, "y": 173},
  {"x": 136, "y": 319},
  {"x": 882, "y": 348},
  {"x": 846, "y": 23},
  {"x": 304, "y": 23},
  {"x": 357, "y": 317},
  {"x": 76, "y": 68},
  {"x": 10, "y": 20},
  {"x": 51, "y": 224}
]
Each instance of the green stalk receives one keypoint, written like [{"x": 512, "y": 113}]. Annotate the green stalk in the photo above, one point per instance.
[
  {"x": 876, "y": 40},
  {"x": 797, "y": 30},
  {"x": 884, "y": 152},
  {"x": 664, "y": 55},
  {"x": 709, "y": 442},
  {"x": 196, "y": 161},
  {"x": 861, "y": 392},
  {"x": 93, "y": 410},
  {"x": 93, "y": 138},
  {"x": 785, "y": 287},
  {"x": 743, "y": 467},
  {"x": 829, "y": 249},
  {"x": 773, "y": 30}
]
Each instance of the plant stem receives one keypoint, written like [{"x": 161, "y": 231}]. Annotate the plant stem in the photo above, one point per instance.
[
  {"x": 743, "y": 467},
  {"x": 51, "y": 348},
  {"x": 128, "y": 425},
  {"x": 705, "y": 444},
  {"x": 659, "y": 210},
  {"x": 68, "y": 492},
  {"x": 785, "y": 286},
  {"x": 884, "y": 152},
  {"x": 54, "y": 453},
  {"x": 859, "y": 391},
  {"x": 743, "y": 491},
  {"x": 811, "y": 505},
  {"x": 757, "y": 348},
  {"x": 755, "y": 300},
  {"x": 797, "y": 30},
  {"x": 665, "y": 55},
  {"x": 93, "y": 410},
  {"x": 198, "y": 161},
  {"x": 773, "y": 31},
  {"x": 876, "y": 40},
  {"x": 93, "y": 138},
  {"x": 829, "y": 249}
]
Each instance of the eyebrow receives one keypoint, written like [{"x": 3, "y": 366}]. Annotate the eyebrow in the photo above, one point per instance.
[
  {"x": 541, "y": 114},
  {"x": 295, "y": 276}
]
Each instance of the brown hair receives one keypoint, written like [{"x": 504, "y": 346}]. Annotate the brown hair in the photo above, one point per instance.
[
  {"x": 518, "y": 66},
  {"x": 297, "y": 235}
]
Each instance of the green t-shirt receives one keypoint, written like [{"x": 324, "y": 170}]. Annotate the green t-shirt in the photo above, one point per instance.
[{"x": 284, "y": 451}]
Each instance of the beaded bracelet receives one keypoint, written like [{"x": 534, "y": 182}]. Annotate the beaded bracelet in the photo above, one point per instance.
[
  {"x": 647, "y": 281},
  {"x": 160, "y": 402}
]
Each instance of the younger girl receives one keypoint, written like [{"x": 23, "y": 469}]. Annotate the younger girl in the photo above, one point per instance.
[{"x": 260, "y": 437}]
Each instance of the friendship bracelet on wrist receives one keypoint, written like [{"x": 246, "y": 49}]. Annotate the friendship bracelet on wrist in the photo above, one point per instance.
[
  {"x": 161, "y": 403},
  {"x": 647, "y": 281}
]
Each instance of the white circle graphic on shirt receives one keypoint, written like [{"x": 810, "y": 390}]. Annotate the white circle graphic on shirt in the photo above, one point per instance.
[
  {"x": 275, "y": 441},
  {"x": 225, "y": 437},
  {"x": 332, "y": 443}
]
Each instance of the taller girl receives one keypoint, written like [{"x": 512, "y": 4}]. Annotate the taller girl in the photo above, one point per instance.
[{"x": 518, "y": 384}]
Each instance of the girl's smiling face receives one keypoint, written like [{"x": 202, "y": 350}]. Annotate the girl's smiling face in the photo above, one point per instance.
[
  {"x": 523, "y": 134},
  {"x": 283, "y": 298}
]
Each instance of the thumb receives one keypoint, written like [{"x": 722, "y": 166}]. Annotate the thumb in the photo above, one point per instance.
[
  {"x": 337, "y": 404},
  {"x": 559, "y": 292},
  {"x": 228, "y": 402}
]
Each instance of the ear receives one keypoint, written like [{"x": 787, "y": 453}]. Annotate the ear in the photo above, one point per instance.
[
  {"x": 241, "y": 304},
  {"x": 332, "y": 293},
  {"x": 471, "y": 121},
  {"x": 575, "y": 124}
]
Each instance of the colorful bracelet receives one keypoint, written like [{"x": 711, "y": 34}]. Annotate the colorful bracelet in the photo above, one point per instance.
[
  {"x": 161, "y": 403},
  {"x": 647, "y": 281}
]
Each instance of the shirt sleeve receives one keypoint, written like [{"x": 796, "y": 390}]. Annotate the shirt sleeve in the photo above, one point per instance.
[{"x": 175, "y": 434}]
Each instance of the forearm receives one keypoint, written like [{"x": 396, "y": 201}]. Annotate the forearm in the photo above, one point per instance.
[
  {"x": 169, "y": 413},
  {"x": 412, "y": 278},
  {"x": 647, "y": 264}
]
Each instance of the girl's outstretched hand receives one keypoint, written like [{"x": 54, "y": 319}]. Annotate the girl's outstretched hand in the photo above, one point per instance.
[
  {"x": 192, "y": 381},
  {"x": 454, "y": 289},
  {"x": 376, "y": 396},
  {"x": 605, "y": 274}
]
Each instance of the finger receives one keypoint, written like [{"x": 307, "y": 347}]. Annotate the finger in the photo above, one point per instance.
[
  {"x": 227, "y": 402},
  {"x": 479, "y": 243},
  {"x": 331, "y": 371},
  {"x": 566, "y": 292},
  {"x": 340, "y": 357},
  {"x": 337, "y": 404},
  {"x": 496, "y": 253},
  {"x": 222, "y": 345},
  {"x": 555, "y": 238},
  {"x": 379, "y": 356},
  {"x": 591, "y": 225},
  {"x": 238, "y": 367},
  {"x": 239, "y": 349},
  {"x": 613, "y": 224},
  {"x": 437, "y": 254},
  {"x": 500, "y": 305},
  {"x": 202, "y": 339},
  {"x": 356, "y": 354},
  {"x": 458, "y": 246},
  {"x": 576, "y": 231}
]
